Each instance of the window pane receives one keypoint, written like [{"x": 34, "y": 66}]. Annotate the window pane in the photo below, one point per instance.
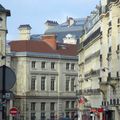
[
  {"x": 52, "y": 106},
  {"x": 33, "y": 64},
  {"x": 72, "y": 104},
  {"x": 72, "y": 66},
  {"x": 43, "y": 106},
  {"x": 67, "y": 66},
  {"x": 43, "y": 65},
  {"x": 42, "y": 115},
  {"x": 67, "y": 83},
  {"x": 33, "y": 79},
  {"x": 52, "y": 116},
  {"x": 33, "y": 106},
  {"x": 67, "y": 104},
  {"x": 53, "y": 65},
  {"x": 42, "y": 83},
  {"x": 72, "y": 84},
  {"x": 52, "y": 83},
  {"x": 33, "y": 116}
]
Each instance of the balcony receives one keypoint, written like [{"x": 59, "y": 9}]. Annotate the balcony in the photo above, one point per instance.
[
  {"x": 88, "y": 92},
  {"x": 92, "y": 73},
  {"x": 112, "y": 81}
]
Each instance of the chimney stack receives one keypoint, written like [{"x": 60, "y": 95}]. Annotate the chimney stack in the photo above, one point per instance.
[
  {"x": 25, "y": 32},
  {"x": 50, "y": 40}
]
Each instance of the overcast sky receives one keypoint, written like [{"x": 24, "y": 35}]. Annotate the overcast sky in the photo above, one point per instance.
[{"x": 37, "y": 12}]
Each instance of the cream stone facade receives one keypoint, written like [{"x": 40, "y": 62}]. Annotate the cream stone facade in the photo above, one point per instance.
[
  {"x": 45, "y": 80},
  {"x": 99, "y": 62},
  {"x": 4, "y": 13}
]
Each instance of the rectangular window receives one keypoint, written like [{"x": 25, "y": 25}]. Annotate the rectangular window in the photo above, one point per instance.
[
  {"x": 42, "y": 116},
  {"x": 33, "y": 80},
  {"x": 72, "y": 84},
  {"x": 33, "y": 117},
  {"x": 117, "y": 74},
  {"x": 33, "y": 64},
  {"x": 52, "y": 65},
  {"x": 42, "y": 106},
  {"x": 67, "y": 83},
  {"x": 52, "y": 106},
  {"x": 110, "y": 49},
  {"x": 67, "y": 104},
  {"x": 52, "y": 116},
  {"x": 43, "y": 65},
  {"x": 33, "y": 104},
  {"x": 53, "y": 83},
  {"x": 67, "y": 66},
  {"x": 67, "y": 114},
  {"x": 72, "y": 104},
  {"x": 43, "y": 83},
  {"x": 118, "y": 47},
  {"x": 72, "y": 66}
]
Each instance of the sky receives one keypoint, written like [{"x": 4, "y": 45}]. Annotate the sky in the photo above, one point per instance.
[{"x": 37, "y": 12}]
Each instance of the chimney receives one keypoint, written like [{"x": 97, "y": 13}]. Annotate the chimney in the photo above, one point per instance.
[
  {"x": 25, "y": 32},
  {"x": 50, "y": 40},
  {"x": 49, "y": 24}
]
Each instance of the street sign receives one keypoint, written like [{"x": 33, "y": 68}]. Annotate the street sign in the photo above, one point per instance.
[
  {"x": 10, "y": 78},
  {"x": 13, "y": 111}
]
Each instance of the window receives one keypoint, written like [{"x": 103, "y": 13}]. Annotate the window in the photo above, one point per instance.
[
  {"x": 52, "y": 65},
  {"x": 72, "y": 66},
  {"x": 52, "y": 116},
  {"x": 72, "y": 104},
  {"x": 33, "y": 106},
  {"x": 43, "y": 65},
  {"x": 72, "y": 84},
  {"x": 67, "y": 104},
  {"x": 118, "y": 20},
  {"x": 67, "y": 114},
  {"x": 42, "y": 106},
  {"x": 52, "y": 106},
  {"x": 110, "y": 49},
  {"x": 33, "y": 80},
  {"x": 117, "y": 74},
  {"x": 109, "y": 74},
  {"x": 43, "y": 83},
  {"x": 1, "y": 22},
  {"x": 67, "y": 66},
  {"x": 33, "y": 117},
  {"x": 67, "y": 83},
  {"x": 52, "y": 83},
  {"x": 33, "y": 64},
  {"x": 118, "y": 47},
  {"x": 42, "y": 115}
]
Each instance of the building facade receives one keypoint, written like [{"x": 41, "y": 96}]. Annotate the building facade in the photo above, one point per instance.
[
  {"x": 46, "y": 75},
  {"x": 99, "y": 62},
  {"x": 4, "y": 13}
]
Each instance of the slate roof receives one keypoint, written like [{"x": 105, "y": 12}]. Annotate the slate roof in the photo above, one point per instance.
[
  {"x": 43, "y": 47},
  {"x": 2, "y": 9},
  {"x": 61, "y": 30}
]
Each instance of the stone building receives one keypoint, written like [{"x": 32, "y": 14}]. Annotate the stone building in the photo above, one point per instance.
[
  {"x": 46, "y": 74},
  {"x": 99, "y": 61},
  {"x": 4, "y": 13}
]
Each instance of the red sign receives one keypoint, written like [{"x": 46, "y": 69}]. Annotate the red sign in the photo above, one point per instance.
[
  {"x": 13, "y": 111},
  {"x": 100, "y": 110}
]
